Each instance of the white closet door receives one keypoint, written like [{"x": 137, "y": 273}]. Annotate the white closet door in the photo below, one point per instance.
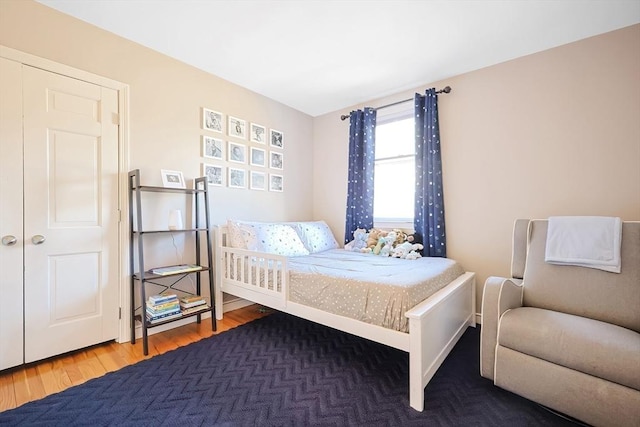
[
  {"x": 70, "y": 213},
  {"x": 11, "y": 336}
]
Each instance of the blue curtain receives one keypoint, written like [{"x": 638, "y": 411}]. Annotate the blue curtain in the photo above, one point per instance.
[
  {"x": 362, "y": 129},
  {"x": 429, "y": 199}
]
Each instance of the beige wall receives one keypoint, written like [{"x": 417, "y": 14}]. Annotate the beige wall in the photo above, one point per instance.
[
  {"x": 166, "y": 97},
  {"x": 554, "y": 133}
]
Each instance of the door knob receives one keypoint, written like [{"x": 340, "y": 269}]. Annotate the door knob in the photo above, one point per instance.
[
  {"x": 38, "y": 239},
  {"x": 9, "y": 240}
]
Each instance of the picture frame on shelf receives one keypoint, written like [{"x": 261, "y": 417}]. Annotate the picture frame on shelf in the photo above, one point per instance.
[
  {"x": 276, "y": 138},
  {"x": 237, "y": 128},
  {"x": 212, "y": 120},
  {"x": 276, "y": 160},
  {"x": 212, "y": 148},
  {"x": 258, "y": 157},
  {"x": 237, "y": 152},
  {"x": 258, "y": 181},
  {"x": 172, "y": 179},
  {"x": 237, "y": 178},
  {"x": 257, "y": 133},
  {"x": 276, "y": 183},
  {"x": 214, "y": 174}
]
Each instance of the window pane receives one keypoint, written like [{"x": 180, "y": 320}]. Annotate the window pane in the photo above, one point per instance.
[
  {"x": 395, "y": 139},
  {"x": 394, "y": 189},
  {"x": 395, "y": 176}
]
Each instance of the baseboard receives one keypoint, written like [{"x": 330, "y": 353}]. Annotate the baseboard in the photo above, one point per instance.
[
  {"x": 479, "y": 318},
  {"x": 235, "y": 304}
]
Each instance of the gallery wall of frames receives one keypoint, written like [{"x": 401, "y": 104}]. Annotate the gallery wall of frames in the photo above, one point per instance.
[{"x": 241, "y": 154}]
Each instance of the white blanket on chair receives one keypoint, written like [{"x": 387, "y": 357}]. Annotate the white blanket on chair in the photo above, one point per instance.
[{"x": 586, "y": 241}]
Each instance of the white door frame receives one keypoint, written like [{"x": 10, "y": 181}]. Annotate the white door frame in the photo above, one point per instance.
[{"x": 124, "y": 329}]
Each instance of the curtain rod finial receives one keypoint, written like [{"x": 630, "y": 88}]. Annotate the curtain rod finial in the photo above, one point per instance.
[{"x": 344, "y": 117}]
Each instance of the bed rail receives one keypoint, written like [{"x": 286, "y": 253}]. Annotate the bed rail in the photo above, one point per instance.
[{"x": 245, "y": 273}]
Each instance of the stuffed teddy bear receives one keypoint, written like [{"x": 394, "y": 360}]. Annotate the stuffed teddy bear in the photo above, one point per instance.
[
  {"x": 374, "y": 236},
  {"x": 359, "y": 242}
]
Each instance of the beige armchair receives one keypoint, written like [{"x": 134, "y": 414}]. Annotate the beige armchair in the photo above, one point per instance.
[{"x": 566, "y": 337}]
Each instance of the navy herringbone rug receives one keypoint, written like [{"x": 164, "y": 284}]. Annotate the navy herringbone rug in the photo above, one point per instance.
[{"x": 285, "y": 371}]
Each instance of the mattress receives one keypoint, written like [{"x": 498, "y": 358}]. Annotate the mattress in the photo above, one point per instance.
[{"x": 365, "y": 287}]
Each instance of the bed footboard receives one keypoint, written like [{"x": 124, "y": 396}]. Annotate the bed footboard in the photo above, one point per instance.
[{"x": 435, "y": 327}]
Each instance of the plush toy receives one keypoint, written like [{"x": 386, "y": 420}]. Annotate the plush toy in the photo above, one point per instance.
[
  {"x": 374, "y": 236},
  {"x": 387, "y": 244},
  {"x": 401, "y": 237},
  {"x": 359, "y": 242},
  {"x": 414, "y": 254},
  {"x": 407, "y": 250}
]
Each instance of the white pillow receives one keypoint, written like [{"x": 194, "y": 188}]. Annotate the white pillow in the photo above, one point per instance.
[
  {"x": 316, "y": 236},
  {"x": 242, "y": 234},
  {"x": 279, "y": 239}
]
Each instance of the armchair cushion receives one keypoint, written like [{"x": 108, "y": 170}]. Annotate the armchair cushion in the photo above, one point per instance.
[
  {"x": 590, "y": 346},
  {"x": 608, "y": 297}
]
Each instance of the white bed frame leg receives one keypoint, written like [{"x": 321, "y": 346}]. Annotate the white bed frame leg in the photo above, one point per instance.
[{"x": 435, "y": 327}]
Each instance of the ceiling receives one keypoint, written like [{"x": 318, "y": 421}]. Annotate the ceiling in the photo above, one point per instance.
[{"x": 319, "y": 56}]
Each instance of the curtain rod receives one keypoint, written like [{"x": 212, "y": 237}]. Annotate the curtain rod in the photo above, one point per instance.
[{"x": 446, "y": 89}]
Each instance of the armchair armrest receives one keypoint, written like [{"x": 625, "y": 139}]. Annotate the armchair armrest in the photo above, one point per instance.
[{"x": 499, "y": 295}]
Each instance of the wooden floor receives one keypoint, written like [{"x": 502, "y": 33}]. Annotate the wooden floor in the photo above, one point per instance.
[{"x": 37, "y": 380}]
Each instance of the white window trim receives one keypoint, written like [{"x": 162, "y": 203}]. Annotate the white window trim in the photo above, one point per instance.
[{"x": 404, "y": 224}]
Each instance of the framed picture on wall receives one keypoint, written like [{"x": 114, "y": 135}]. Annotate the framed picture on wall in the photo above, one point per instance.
[
  {"x": 172, "y": 179},
  {"x": 237, "y": 152},
  {"x": 258, "y": 181},
  {"x": 214, "y": 174},
  {"x": 212, "y": 148},
  {"x": 237, "y": 178},
  {"x": 276, "y": 138},
  {"x": 258, "y": 157},
  {"x": 211, "y": 120},
  {"x": 276, "y": 182},
  {"x": 257, "y": 133},
  {"x": 237, "y": 128},
  {"x": 276, "y": 160}
]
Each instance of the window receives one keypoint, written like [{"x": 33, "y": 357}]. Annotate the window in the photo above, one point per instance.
[{"x": 394, "y": 170}]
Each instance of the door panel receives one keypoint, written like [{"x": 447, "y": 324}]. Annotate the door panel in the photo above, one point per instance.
[
  {"x": 70, "y": 198},
  {"x": 74, "y": 165},
  {"x": 11, "y": 321}
]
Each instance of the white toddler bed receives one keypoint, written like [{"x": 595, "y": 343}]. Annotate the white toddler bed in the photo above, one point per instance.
[{"x": 295, "y": 285}]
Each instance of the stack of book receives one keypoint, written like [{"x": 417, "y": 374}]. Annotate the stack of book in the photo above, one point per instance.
[
  {"x": 191, "y": 304},
  {"x": 163, "y": 307}
]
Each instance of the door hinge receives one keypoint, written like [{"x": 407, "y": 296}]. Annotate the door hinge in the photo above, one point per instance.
[
  {"x": 119, "y": 215},
  {"x": 119, "y": 313}
]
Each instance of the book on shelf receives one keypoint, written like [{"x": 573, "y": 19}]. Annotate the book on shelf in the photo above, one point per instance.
[
  {"x": 163, "y": 305},
  {"x": 158, "y": 299},
  {"x": 152, "y": 312},
  {"x": 192, "y": 301},
  {"x": 190, "y": 298},
  {"x": 175, "y": 269},
  {"x": 201, "y": 307},
  {"x": 164, "y": 318}
]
